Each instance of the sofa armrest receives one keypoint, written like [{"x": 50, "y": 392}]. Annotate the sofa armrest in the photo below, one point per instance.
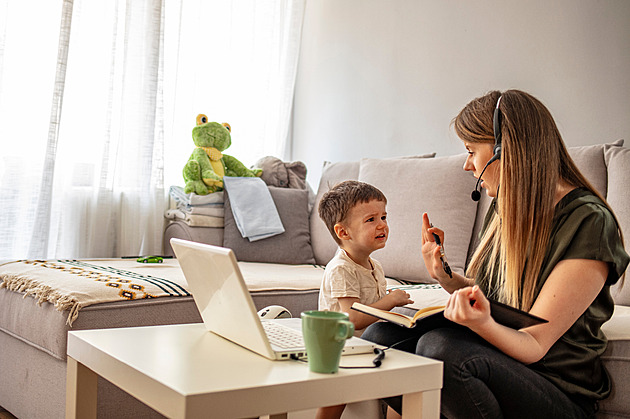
[{"x": 181, "y": 230}]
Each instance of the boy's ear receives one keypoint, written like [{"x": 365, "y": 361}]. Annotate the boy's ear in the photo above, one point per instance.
[{"x": 341, "y": 232}]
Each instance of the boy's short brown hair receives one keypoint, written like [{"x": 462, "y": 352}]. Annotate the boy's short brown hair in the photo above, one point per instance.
[{"x": 341, "y": 198}]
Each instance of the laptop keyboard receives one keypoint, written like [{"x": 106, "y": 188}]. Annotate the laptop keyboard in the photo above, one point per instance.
[{"x": 283, "y": 336}]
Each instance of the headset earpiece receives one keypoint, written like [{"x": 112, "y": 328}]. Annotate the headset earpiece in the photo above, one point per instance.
[
  {"x": 496, "y": 126},
  {"x": 380, "y": 354}
]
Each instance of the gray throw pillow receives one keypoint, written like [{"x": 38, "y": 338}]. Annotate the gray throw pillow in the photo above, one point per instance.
[{"x": 291, "y": 247}]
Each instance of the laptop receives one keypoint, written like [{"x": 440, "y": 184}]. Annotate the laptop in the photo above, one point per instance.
[{"x": 227, "y": 309}]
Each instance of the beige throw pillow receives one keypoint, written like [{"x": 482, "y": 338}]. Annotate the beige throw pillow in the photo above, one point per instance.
[
  {"x": 438, "y": 186},
  {"x": 324, "y": 247},
  {"x": 590, "y": 160},
  {"x": 618, "y": 162}
]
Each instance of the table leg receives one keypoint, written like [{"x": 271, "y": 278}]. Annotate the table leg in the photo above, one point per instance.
[
  {"x": 80, "y": 391},
  {"x": 424, "y": 405}
]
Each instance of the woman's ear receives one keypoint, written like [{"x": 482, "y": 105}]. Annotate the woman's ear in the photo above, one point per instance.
[{"x": 341, "y": 232}]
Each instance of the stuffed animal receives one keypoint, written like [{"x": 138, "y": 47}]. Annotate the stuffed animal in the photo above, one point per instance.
[{"x": 207, "y": 164}]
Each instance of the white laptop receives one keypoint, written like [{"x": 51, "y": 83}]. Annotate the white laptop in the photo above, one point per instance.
[{"x": 217, "y": 285}]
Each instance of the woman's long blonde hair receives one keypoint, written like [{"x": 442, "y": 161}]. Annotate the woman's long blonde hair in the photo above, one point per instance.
[{"x": 533, "y": 160}]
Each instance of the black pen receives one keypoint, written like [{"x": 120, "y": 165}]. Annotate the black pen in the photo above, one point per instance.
[{"x": 447, "y": 268}]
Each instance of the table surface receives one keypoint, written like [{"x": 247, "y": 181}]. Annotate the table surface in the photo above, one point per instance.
[{"x": 186, "y": 371}]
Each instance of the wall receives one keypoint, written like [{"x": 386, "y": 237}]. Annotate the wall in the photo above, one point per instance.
[{"x": 385, "y": 78}]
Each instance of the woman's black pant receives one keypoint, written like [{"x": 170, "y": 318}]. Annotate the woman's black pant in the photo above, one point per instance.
[{"x": 479, "y": 380}]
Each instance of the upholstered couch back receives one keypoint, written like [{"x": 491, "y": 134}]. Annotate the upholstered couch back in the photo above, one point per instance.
[{"x": 440, "y": 187}]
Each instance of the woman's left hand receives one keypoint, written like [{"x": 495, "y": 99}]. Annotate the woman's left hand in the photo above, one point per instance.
[{"x": 468, "y": 307}]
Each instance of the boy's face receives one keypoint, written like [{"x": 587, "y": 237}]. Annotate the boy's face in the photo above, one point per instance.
[{"x": 366, "y": 228}]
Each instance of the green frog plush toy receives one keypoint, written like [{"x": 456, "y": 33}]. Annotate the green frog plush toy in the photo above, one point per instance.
[{"x": 207, "y": 165}]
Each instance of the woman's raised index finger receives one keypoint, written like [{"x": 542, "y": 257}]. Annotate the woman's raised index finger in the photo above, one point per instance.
[{"x": 426, "y": 224}]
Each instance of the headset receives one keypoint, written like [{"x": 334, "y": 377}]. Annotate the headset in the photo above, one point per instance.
[
  {"x": 496, "y": 126},
  {"x": 376, "y": 362}
]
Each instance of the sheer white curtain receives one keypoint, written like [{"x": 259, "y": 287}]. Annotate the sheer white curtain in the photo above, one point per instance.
[
  {"x": 97, "y": 102},
  {"x": 237, "y": 63}
]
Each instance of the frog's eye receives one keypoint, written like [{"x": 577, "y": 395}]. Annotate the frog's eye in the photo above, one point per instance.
[
  {"x": 227, "y": 126},
  {"x": 202, "y": 119}
]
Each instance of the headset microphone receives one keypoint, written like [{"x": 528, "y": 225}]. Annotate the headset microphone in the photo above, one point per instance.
[
  {"x": 476, "y": 195},
  {"x": 496, "y": 126}
]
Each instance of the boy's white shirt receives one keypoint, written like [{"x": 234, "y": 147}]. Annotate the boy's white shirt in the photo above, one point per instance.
[{"x": 345, "y": 278}]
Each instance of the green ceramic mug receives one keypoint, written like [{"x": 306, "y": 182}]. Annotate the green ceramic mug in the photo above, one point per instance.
[{"x": 325, "y": 334}]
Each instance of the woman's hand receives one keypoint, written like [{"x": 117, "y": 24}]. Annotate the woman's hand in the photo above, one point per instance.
[
  {"x": 469, "y": 307},
  {"x": 431, "y": 250},
  {"x": 432, "y": 261}
]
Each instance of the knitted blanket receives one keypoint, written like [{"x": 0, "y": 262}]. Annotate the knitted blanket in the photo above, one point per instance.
[{"x": 74, "y": 284}]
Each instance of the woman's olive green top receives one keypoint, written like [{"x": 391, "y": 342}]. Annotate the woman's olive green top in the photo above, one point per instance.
[{"x": 582, "y": 228}]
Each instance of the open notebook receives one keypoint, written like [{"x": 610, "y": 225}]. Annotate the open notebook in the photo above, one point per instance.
[{"x": 217, "y": 285}]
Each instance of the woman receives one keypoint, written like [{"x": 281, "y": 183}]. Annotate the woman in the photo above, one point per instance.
[{"x": 550, "y": 246}]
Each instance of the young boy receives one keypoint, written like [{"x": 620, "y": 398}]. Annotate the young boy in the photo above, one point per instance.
[{"x": 355, "y": 215}]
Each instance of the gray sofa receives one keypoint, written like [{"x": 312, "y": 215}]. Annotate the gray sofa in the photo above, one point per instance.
[{"x": 286, "y": 270}]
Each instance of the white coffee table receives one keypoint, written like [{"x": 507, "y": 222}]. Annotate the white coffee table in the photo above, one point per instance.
[{"x": 184, "y": 371}]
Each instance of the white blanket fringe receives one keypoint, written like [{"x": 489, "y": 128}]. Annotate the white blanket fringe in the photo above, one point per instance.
[{"x": 42, "y": 293}]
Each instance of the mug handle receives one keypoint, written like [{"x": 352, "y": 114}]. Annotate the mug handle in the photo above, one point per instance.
[{"x": 345, "y": 330}]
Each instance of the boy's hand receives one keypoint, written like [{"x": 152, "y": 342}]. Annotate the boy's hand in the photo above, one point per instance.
[{"x": 399, "y": 298}]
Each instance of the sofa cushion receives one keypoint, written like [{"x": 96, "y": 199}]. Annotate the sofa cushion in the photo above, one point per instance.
[
  {"x": 617, "y": 361},
  {"x": 437, "y": 186},
  {"x": 44, "y": 327},
  {"x": 324, "y": 247},
  {"x": 292, "y": 247},
  {"x": 618, "y": 162}
]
